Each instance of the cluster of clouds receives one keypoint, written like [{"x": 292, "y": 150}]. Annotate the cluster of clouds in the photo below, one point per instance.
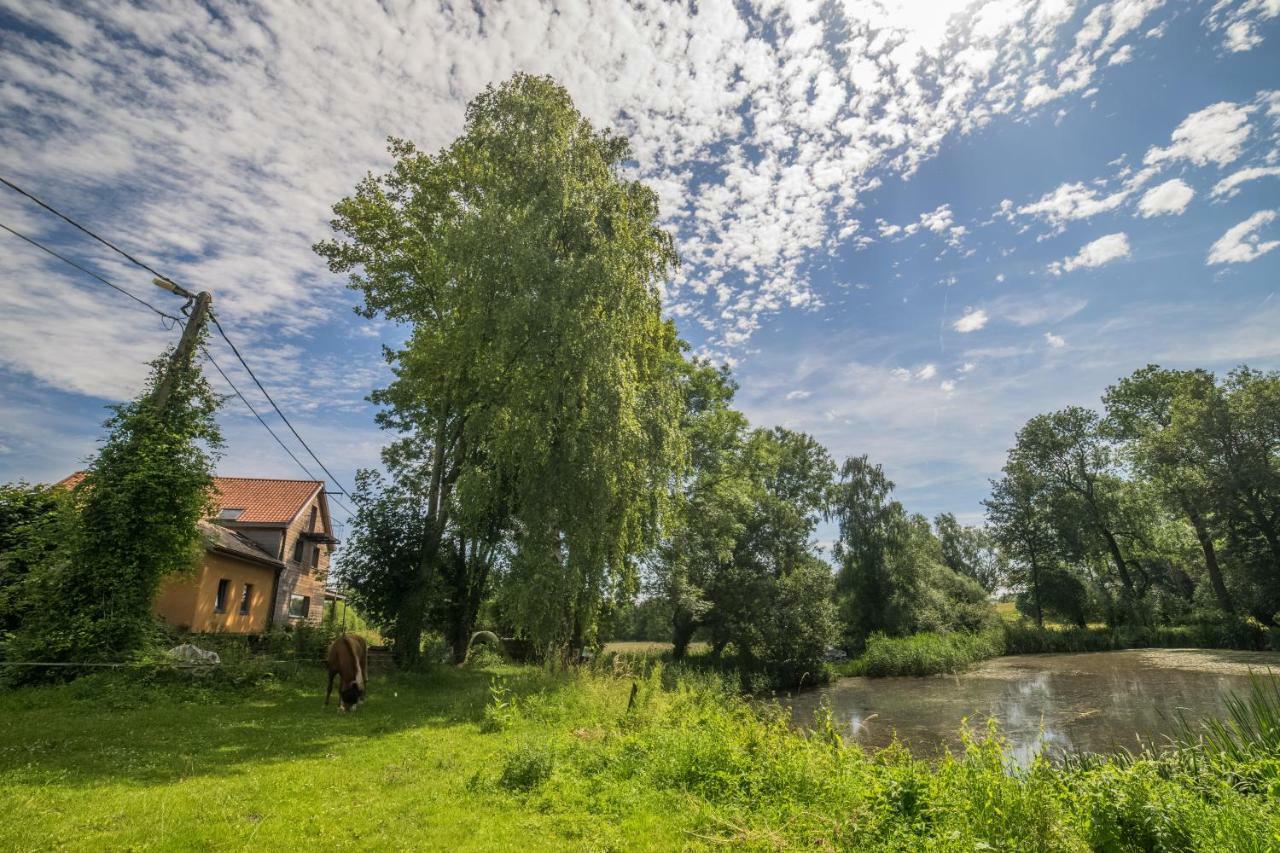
[
  {"x": 1216, "y": 136},
  {"x": 222, "y": 134}
]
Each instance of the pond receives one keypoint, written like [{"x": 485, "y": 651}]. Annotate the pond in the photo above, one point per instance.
[{"x": 1096, "y": 702}]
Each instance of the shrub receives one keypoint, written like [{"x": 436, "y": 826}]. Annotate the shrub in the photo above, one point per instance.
[
  {"x": 526, "y": 767},
  {"x": 927, "y": 653}
]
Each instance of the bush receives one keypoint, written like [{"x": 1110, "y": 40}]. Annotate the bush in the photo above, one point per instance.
[
  {"x": 526, "y": 767},
  {"x": 1022, "y": 638},
  {"x": 927, "y": 653}
]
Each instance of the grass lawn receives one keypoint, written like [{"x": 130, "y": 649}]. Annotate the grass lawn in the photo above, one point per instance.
[
  {"x": 512, "y": 758},
  {"x": 100, "y": 764}
]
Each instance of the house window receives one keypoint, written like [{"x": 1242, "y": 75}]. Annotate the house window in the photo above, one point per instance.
[
  {"x": 315, "y": 556},
  {"x": 312, "y": 524},
  {"x": 299, "y": 606},
  {"x": 220, "y": 599},
  {"x": 230, "y": 513},
  {"x": 245, "y": 599},
  {"x": 297, "y": 550}
]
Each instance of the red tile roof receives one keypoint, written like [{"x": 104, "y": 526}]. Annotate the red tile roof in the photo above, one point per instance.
[{"x": 264, "y": 501}]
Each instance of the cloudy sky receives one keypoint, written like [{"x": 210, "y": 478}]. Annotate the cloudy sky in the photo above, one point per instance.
[{"x": 909, "y": 225}]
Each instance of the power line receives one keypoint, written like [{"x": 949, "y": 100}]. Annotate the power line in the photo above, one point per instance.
[
  {"x": 165, "y": 282},
  {"x": 249, "y": 406},
  {"x": 89, "y": 272},
  {"x": 279, "y": 441},
  {"x": 178, "y": 320},
  {"x": 254, "y": 377},
  {"x": 169, "y": 284}
]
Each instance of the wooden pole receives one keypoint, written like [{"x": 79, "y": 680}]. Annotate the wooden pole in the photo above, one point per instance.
[{"x": 186, "y": 346}]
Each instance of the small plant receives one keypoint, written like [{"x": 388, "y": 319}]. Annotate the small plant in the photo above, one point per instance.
[
  {"x": 502, "y": 711},
  {"x": 526, "y": 767}
]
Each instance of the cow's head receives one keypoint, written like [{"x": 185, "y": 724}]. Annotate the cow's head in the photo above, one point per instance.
[{"x": 349, "y": 697}]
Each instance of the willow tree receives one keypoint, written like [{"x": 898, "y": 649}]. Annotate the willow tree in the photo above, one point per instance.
[{"x": 534, "y": 400}]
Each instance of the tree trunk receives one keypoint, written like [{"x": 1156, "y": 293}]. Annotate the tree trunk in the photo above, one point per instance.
[
  {"x": 407, "y": 650},
  {"x": 1035, "y": 587},
  {"x": 1210, "y": 560},
  {"x": 682, "y": 628}
]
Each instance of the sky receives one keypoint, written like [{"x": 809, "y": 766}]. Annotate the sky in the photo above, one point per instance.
[{"x": 908, "y": 226}]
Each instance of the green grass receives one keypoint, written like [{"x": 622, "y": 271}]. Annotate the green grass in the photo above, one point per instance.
[
  {"x": 927, "y": 653},
  {"x": 514, "y": 758}
]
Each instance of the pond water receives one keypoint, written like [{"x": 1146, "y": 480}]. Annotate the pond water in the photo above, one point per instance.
[{"x": 1098, "y": 702}]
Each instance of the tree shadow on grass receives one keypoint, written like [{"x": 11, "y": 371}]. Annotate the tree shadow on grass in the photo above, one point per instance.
[{"x": 120, "y": 727}]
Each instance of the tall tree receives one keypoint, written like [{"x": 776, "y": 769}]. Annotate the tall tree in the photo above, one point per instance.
[
  {"x": 1073, "y": 460},
  {"x": 713, "y": 499},
  {"x": 971, "y": 551},
  {"x": 535, "y": 391},
  {"x": 1140, "y": 411},
  {"x": 1233, "y": 432},
  {"x": 872, "y": 526}
]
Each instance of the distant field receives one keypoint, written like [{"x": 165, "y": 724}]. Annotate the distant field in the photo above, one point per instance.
[
  {"x": 1008, "y": 611},
  {"x": 641, "y": 647}
]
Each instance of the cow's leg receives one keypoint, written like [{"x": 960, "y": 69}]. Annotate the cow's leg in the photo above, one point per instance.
[{"x": 329, "y": 692}]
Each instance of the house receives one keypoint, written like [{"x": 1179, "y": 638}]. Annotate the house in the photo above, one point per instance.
[{"x": 267, "y": 552}]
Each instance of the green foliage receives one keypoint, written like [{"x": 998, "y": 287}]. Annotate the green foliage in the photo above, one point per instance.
[
  {"x": 647, "y": 619},
  {"x": 139, "y": 506},
  {"x": 893, "y": 577},
  {"x": 526, "y": 767},
  {"x": 380, "y": 564},
  {"x": 971, "y": 552},
  {"x": 37, "y": 527},
  {"x": 1168, "y": 505},
  {"x": 535, "y": 396},
  {"x": 928, "y": 653}
]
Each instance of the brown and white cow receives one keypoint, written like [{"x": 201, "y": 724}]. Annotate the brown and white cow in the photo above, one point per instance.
[{"x": 349, "y": 660}]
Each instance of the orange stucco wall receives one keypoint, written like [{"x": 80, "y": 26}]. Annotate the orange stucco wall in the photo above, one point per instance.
[{"x": 187, "y": 600}]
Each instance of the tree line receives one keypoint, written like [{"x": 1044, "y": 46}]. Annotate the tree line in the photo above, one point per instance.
[{"x": 1161, "y": 507}]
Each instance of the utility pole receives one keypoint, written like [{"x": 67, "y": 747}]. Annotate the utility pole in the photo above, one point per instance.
[{"x": 186, "y": 346}]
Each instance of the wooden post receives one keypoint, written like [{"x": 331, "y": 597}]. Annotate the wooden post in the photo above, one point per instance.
[{"x": 186, "y": 346}]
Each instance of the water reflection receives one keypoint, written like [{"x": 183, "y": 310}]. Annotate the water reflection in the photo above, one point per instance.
[{"x": 1099, "y": 702}]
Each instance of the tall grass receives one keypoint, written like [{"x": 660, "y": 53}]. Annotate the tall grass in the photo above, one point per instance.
[
  {"x": 743, "y": 777},
  {"x": 1250, "y": 730},
  {"x": 926, "y": 653}
]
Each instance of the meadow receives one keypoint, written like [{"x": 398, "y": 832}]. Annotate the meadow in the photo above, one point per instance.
[{"x": 623, "y": 756}]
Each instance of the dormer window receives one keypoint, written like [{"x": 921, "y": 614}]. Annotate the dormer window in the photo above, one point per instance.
[{"x": 231, "y": 513}]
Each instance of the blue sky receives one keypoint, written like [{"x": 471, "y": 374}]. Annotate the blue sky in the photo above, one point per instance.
[{"x": 909, "y": 226}]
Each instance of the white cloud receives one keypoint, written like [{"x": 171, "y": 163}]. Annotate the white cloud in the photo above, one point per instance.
[
  {"x": 1238, "y": 22},
  {"x": 972, "y": 321},
  {"x": 1102, "y": 251},
  {"x": 1170, "y": 197},
  {"x": 947, "y": 386},
  {"x": 927, "y": 372},
  {"x": 1230, "y": 185},
  {"x": 799, "y": 395},
  {"x": 1215, "y": 134},
  {"x": 967, "y": 367},
  {"x": 1121, "y": 56},
  {"x": 1054, "y": 341},
  {"x": 1242, "y": 243},
  {"x": 1071, "y": 201}
]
